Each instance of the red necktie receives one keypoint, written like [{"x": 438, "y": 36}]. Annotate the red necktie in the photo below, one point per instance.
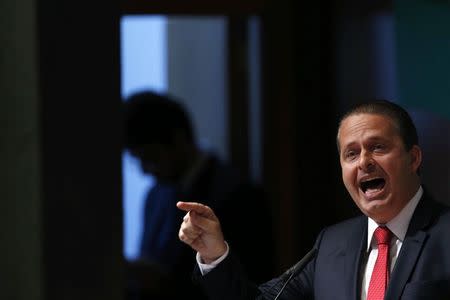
[{"x": 380, "y": 275}]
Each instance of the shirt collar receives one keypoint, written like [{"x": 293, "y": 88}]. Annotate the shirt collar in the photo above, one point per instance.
[{"x": 399, "y": 224}]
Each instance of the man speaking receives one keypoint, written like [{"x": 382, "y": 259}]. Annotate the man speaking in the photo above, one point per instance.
[{"x": 399, "y": 248}]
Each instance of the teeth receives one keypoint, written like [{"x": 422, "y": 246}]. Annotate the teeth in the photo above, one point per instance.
[
  {"x": 372, "y": 185},
  {"x": 370, "y": 179}
]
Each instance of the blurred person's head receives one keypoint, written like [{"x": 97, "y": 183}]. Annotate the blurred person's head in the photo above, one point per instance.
[
  {"x": 380, "y": 157},
  {"x": 159, "y": 133}
]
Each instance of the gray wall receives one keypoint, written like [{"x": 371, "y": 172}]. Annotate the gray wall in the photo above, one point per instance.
[
  {"x": 60, "y": 184},
  {"x": 20, "y": 184},
  {"x": 197, "y": 73}
]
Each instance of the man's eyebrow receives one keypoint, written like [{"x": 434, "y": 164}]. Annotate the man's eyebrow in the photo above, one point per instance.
[
  {"x": 348, "y": 145},
  {"x": 377, "y": 138},
  {"x": 370, "y": 139}
]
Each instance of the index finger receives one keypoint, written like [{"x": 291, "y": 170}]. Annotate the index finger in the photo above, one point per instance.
[{"x": 199, "y": 208}]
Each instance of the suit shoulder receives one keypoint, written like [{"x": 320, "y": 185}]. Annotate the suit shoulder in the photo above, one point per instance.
[
  {"x": 347, "y": 225},
  {"x": 443, "y": 220},
  {"x": 340, "y": 232}
]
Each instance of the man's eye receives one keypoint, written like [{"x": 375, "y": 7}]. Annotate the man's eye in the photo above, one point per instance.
[
  {"x": 378, "y": 147},
  {"x": 350, "y": 155}
]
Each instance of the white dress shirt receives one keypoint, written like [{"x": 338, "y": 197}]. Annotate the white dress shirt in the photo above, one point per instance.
[
  {"x": 398, "y": 226},
  {"x": 205, "y": 268}
]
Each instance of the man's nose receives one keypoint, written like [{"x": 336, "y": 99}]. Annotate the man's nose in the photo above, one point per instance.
[{"x": 366, "y": 162}]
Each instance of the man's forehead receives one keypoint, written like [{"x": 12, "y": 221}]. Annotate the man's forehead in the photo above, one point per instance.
[
  {"x": 367, "y": 124},
  {"x": 365, "y": 121}
]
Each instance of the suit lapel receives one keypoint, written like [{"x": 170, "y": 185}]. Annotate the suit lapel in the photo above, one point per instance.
[
  {"x": 408, "y": 255},
  {"x": 352, "y": 258},
  {"x": 412, "y": 246}
]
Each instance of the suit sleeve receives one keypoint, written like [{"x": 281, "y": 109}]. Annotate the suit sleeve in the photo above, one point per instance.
[{"x": 229, "y": 281}]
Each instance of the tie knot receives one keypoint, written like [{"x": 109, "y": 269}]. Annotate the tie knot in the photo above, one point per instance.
[{"x": 382, "y": 235}]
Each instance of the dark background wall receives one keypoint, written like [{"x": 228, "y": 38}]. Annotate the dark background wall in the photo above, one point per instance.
[
  {"x": 80, "y": 130},
  {"x": 61, "y": 225},
  {"x": 423, "y": 47},
  {"x": 20, "y": 219}
]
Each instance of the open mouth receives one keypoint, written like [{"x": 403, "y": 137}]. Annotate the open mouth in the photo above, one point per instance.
[{"x": 372, "y": 185}]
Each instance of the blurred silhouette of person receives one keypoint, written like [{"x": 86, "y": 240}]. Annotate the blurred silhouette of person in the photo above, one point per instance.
[{"x": 159, "y": 132}]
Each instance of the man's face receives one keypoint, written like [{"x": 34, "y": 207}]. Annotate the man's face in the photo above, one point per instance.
[
  {"x": 158, "y": 160},
  {"x": 378, "y": 172}
]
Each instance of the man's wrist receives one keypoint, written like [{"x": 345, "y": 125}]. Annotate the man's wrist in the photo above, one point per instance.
[
  {"x": 206, "y": 267},
  {"x": 209, "y": 260}
]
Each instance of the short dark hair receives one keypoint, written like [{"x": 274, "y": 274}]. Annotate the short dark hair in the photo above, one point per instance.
[
  {"x": 401, "y": 118},
  {"x": 152, "y": 117}
]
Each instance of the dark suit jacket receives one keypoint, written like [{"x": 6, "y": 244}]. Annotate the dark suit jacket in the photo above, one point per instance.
[{"x": 422, "y": 270}]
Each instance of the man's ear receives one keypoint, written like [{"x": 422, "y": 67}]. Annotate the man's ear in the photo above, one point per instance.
[{"x": 416, "y": 157}]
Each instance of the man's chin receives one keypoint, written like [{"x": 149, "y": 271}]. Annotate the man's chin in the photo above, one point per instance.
[{"x": 376, "y": 210}]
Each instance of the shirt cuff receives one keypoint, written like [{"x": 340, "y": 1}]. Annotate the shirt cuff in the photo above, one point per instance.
[{"x": 206, "y": 268}]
